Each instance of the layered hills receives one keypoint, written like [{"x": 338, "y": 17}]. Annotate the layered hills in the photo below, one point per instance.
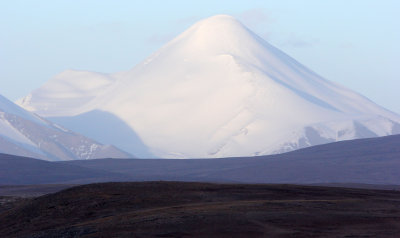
[{"x": 363, "y": 161}]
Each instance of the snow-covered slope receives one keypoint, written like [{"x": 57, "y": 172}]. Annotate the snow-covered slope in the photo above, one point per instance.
[
  {"x": 218, "y": 90},
  {"x": 67, "y": 91},
  {"x": 26, "y": 134}
]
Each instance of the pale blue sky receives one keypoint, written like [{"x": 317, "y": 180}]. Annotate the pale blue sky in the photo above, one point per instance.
[{"x": 354, "y": 42}]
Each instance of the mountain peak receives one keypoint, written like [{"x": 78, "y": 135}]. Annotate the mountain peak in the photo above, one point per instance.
[
  {"x": 220, "y": 34},
  {"x": 219, "y": 25},
  {"x": 219, "y": 90},
  {"x": 219, "y": 19}
]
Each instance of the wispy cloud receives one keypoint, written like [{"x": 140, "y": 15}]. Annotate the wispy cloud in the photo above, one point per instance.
[
  {"x": 299, "y": 42},
  {"x": 254, "y": 17},
  {"x": 347, "y": 45},
  {"x": 188, "y": 20},
  {"x": 160, "y": 38},
  {"x": 258, "y": 20}
]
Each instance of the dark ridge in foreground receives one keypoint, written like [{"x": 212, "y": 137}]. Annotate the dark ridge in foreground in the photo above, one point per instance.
[
  {"x": 175, "y": 209},
  {"x": 32, "y": 190}
]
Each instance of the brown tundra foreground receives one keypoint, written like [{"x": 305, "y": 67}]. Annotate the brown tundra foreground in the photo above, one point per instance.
[{"x": 177, "y": 209}]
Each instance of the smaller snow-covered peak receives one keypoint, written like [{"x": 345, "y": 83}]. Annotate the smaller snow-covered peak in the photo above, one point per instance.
[
  {"x": 80, "y": 80},
  {"x": 70, "y": 83},
  {"x": 66, "y": 92}
]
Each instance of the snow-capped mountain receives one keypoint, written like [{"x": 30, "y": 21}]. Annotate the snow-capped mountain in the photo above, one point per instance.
[
  {"x": 26, "y": 134},
  {"x": 216, "y": 90}
]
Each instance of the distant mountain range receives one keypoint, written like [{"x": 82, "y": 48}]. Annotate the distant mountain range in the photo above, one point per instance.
[
  {"x": 216, "y": 90},
  {"x": 366, "y": 161},
  {"x": 26, "y": 134}
]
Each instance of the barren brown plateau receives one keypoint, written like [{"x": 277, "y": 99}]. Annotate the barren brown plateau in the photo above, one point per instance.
[{"x": 182, "y": 209}]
